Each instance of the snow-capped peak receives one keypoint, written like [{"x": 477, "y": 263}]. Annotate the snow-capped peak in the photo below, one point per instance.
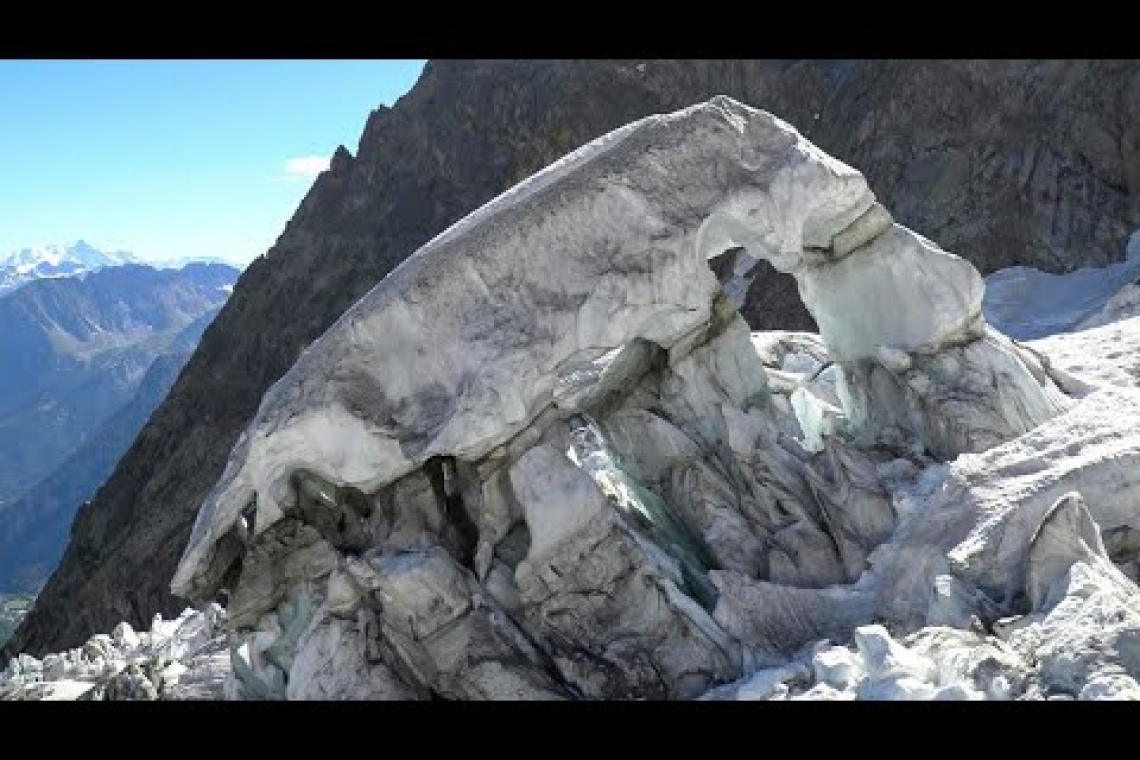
[
  {"x": 80, "y": 253},
  {"x": 58, "y": 260}
]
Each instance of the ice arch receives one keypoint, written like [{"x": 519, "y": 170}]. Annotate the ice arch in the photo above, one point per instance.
[{"x": 409, "y": 483}]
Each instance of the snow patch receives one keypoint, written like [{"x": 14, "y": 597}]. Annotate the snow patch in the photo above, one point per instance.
[{"x": 1026, "y": 303}]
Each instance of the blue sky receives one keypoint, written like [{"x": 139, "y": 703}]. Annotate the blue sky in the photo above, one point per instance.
[{"x": 170, "y": 159}]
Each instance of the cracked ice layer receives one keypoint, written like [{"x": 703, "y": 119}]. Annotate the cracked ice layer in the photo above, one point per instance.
[
  {"x": 402, "y": 519},
  {"x": 1076, "y": 640},
  {"x": 458, "y": 349},
  {"x": 178, "y": 659}
]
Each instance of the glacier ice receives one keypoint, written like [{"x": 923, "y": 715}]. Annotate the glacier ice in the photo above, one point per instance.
[
  {"x": 1027, "y": 304},
  {"x": 550, "y": 427},
  {"x": 545, "y": 459},
  {"x": 181, "y": 659}
]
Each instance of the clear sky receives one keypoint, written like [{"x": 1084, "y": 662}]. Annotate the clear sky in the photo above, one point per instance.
[{"x": 170, "y": 159}]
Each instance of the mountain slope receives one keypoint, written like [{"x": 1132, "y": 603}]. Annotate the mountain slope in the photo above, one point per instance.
[
  {"x": 76, "y": 348},
  {"x": 1003, "y": 162},
  {"x": 34, "y": 530}
]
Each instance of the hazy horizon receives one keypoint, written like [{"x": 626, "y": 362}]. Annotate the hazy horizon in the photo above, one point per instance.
[{"x": 175, "y": 159}]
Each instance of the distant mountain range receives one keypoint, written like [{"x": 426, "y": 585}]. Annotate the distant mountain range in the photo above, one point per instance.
[
  {"x": 78, "y": 258},
  {"x": 90, "y": 343},
  {"x": 34, "y": 529},
  {"x": 186, "y": 260},
  {"x": 76, "y": 349}
]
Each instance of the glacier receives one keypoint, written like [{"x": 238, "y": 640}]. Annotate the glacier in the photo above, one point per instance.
[
  {"x": 187, "y": 658},
  {"x": 1026, "y": 303},
  {"x": 545, "y": 458}
]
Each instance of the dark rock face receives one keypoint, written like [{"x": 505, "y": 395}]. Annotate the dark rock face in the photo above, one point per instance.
[{"x": 1002, "y": 162}]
